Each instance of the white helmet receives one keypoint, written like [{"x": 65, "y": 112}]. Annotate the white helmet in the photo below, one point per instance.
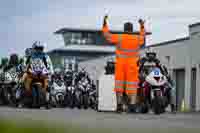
[{"x": 57, "y": 71}]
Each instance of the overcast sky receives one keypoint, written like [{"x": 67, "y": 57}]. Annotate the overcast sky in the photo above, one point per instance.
[{"x": 23, "y": 21}]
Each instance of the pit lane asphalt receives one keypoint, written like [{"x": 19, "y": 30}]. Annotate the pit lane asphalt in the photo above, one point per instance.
[{"x": 95, "y": 119}]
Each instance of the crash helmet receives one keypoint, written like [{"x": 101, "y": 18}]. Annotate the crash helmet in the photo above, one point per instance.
[
  {"x": 82, "y": 73},
  {"x": 28, "y": 52},
  {"x": 38, "y": 46},
  {"x": 128, "y": 27},
  {"x": 151, "y": 54},
  {"x": 4, "y": 61},
  {"x": 57, "y": 71},
  {"x": 67, "y": 70},
  {"x": 14, "y": 59},
  {"x": 83, "y": 70}
]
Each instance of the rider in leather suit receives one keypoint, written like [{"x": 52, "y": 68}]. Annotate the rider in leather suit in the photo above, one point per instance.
[
  {"x": 68, "y": 77},
  {"x": 13, "y": 62},
  {"x": 38, "y": 53},
  {"x": 151, "y": 57}
]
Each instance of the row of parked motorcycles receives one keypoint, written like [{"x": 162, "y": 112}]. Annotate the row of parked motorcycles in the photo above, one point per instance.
[
  {"x": 74, "y": 90},
  {"x": 66, "y": 89}
]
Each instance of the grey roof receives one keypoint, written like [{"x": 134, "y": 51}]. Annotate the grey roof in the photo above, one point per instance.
[
  {"x": 107, "y": 49},
  {"x": 168, "y": 42},
  {"x": 87, "y": 48},
  {"x": 195, "y": 24},
  {"x": 64, "y": 30}
]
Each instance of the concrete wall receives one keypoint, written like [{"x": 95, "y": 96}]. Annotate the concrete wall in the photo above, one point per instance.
[
  {"x": 195, "y": 45},
  {"x": 178, "y": 58},
  {"x": 185, "y": 55},
  {"x": 176, "y": 51},
  {"x": 95, "y": 67},
  {"x": 194, "y": 51}
]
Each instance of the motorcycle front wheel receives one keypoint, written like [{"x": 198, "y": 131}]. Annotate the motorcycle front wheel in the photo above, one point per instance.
[
  {"x": 5, "y": 96},
  {"x": 157, "y": 105}
]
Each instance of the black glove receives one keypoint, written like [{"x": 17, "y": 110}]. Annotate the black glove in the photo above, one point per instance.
[
  {"x": 105, "y": 20},
  {"x": 141, "y": 22}
]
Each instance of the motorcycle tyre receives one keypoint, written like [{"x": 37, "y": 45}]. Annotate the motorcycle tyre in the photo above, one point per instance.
[
  {"x": 78, "y": 101},
  {"x": 71, "y": 102},
  {"x": 144, "y": 108},
  {"x": 85, "y": 102},
  {"x": 35, "y": 100},
  {"x": 66, "y": 100},
  {"x": 5, "y": 98},
  {"x": 39, "y": 100},
  {"x": 157, "y": 105}
]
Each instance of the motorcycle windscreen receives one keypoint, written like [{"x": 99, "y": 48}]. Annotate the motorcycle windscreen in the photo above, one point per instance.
[{"x": 106, "y": 95}]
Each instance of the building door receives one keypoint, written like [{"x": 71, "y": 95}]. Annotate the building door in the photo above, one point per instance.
[
  {"x": 180, "y": 87},
  {"x": 193, "y": 90}
]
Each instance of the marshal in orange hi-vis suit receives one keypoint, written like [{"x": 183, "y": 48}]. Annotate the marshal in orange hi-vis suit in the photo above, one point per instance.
[{"x": 127, "y": 55}]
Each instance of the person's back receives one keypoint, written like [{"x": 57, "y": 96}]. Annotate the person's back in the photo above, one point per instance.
[
  {"x": 13, "y": 62},
  {"x": 45, "y": 59},
  {"x": 127, "y": 55}
]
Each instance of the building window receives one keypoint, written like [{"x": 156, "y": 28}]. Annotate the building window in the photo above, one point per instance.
[
  {"x": 70, "y": 66},
  {"x": 79, "y": 38},
  {"x": 91, "y": 39},
  {"x": 67, "y": 38},
  {"x": 84, "y": 35}
]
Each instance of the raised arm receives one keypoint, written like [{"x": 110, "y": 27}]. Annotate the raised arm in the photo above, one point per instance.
[
  {"x": 112, "y": 38},
  {"x": 142, "y": 35}
]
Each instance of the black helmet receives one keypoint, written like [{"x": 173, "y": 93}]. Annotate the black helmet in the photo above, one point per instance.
[
  {"x": 38, "y": 46},
  {"x": 151, "y": 54},
  {"x": 28, "y": 52},
  {"x": 128, "y": 27},
  {"x": 4, "y": 61},
  {"x": 14, "y": 59}
]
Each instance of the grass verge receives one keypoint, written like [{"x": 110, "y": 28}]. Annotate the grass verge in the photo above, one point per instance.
[{"x": 8, "y": 126}]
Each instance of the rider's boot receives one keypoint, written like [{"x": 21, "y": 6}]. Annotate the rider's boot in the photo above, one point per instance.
[
  {"x": 47, "y": 93},
  {"x": 132, "y": 106},
  {"x": 119, "y": 103},
  {"x": 173, "y": 108}
]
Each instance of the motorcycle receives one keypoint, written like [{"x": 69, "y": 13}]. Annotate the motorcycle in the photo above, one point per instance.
[
  {"x": 68, "y": 78},
  {"x": 92, "y": 97},
  {"x": 84, "y": 88},
  {"x": 155, "y": 91},
  {"x": 38, "y": 97},
  {"x": 2, "y": 79},
  {"x": 9, "y": 86},
  {"x": 72, "y": 97},
  {"x": 58, "y": 93}
]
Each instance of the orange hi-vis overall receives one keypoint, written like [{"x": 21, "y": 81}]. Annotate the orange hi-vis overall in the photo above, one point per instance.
[{"x": 127, "y": 55}]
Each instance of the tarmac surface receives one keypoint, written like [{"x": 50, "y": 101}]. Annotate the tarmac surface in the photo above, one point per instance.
[{"x": 111, "y": 120}]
